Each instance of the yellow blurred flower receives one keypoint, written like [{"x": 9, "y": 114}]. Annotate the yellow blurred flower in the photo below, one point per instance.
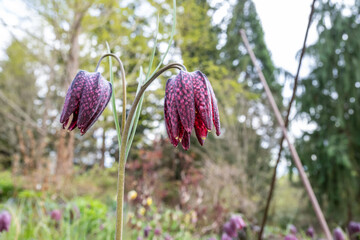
[
  {"x": 142, "y": 211},
  {"x": 187, "y": 218},
  {"x": 193, "y": 216},
  {"x": 130, "y": 215},
  {"x": 132, "y": 195},
  {"x": 149, "y": 201}
]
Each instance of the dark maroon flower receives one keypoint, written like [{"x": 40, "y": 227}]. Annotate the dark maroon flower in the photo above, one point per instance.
[
  {"x": 5, "y": 221},
  {"x": 147, "y": 230},
  {"x": 55, "y": 215},
  {"x": 86, "y": 99},
  {"x": 354, "y": 228},
  {"x": 310, "y": 232},
  {"x": 190, "y": 103},
  {"x": 338, "y": 234}
]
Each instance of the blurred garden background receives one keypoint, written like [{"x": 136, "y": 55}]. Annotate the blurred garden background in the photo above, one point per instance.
[{"x": 60, "y": 185}]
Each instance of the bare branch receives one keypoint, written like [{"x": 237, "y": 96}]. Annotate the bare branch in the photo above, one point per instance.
[
  {"x": 273, "y": 180},
  {"x": 17, "y": 109},
  {"x": 293, "y": 151}
]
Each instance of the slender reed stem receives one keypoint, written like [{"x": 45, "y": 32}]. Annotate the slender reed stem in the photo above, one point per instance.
[
  {"x": 273, "y": 180},
  {"x": 122, "y": 159},
  {"x": 293, "y": 151}
]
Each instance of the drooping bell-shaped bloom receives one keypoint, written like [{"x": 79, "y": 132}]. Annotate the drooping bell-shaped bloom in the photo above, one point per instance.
[
  {"x": 86, "y": 99},
  {"x": 338, "y": 234},
  {"x": 237, "y": 222},
  {"x": 354, "y": 228},
  {"x": 293, "y": 229},
  {"x": 5, "y": 221},
  {"x": 190, "y": 102},
  {"x": 147, "y": 230},
  {"x": 230, "y": 229},
  {"x": 55, "y": 215},
  {"x": 310, "y": 232}
]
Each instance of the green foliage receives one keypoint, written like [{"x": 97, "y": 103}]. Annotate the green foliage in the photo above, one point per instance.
[
  {"x": 7, "y": 188},
  {"x": 329, "y": 100}
]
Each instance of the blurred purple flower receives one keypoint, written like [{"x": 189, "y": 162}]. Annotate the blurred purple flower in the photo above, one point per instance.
[
  {"x": 168, "y": 237},
  {"x": 74, "y": 212},
  {"x": 139, "y": 238},
  {"x": 237, "y": 222},
  {"x": 86, "y": 99},
  {"x": 353, "y": 228},
  {"x": 5, "y": 221},
  {"x": 230, "y": 229},
  {"x": 338, "y": 234},
  {"x": 212, "y": 238},
  {"x": 290, "y": 237},
  {"x": 293, "y": 229},
  {"x": 310, "y": 232},
  {"x": 224, "y": 236},
  {"x": 147, "y": 230},
  {"x": 101, "y": 227},
  {"x": 157, "y": 231},
  {"x": 55, "y": 215},
  {"x": 190, "y": 103}
]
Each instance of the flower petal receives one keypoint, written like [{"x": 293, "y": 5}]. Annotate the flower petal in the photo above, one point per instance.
[
  {"x": 186, "y": 140},
  {"x": 92, "y": 102},
  {"x": 185, "y": 100},
  {"x": 104, "y": 100},
  {"x": 202, "y": 99},
  {"x": 73, "y": 96},
  {"x": 168, "y": 122},
  {"x": 200, "y": 129},
  {"x": 172, "y": 114},
  {"x": 215, "y": 110},
  {"x": 73, "y": 123}
]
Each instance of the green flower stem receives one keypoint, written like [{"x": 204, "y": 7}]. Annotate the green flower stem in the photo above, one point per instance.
[
  {"x": 122, "y": 71},
  {"x": 122, "y": 159}
]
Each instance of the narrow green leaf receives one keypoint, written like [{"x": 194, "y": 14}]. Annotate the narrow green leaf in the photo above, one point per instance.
[
  {"x": 116, "y": 120},
  {"x": 170, "y": 41},
  {"x": 135, "y": 119}
]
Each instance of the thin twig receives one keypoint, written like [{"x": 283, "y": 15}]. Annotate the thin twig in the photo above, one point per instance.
[
  {"x": 273, "y": 180},
  {"x": 18, "y": 110},
  {"x": 293, "y": 151}
]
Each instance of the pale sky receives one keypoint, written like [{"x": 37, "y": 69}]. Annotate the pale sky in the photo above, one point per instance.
[{"x": 284, "y": 23}]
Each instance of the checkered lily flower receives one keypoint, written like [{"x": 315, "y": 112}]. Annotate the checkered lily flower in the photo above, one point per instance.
[
  {"x": 86, "y": 99},
  {"x": 190, "y": 103}
]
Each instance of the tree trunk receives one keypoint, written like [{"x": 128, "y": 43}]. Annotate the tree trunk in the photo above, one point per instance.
[{"x": 65, "y": 146}]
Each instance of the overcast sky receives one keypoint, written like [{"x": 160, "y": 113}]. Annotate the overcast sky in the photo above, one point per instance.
[{"x": 284, "y": 23}]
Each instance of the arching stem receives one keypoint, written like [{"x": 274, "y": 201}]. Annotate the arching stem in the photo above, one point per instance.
[
  {"x": 122, "y": 71},
  {"x": 122, "y": 159}
]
